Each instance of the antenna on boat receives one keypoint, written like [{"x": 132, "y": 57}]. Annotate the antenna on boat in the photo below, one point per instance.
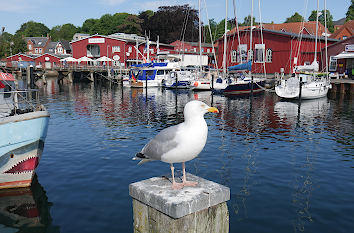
[
  {"x": 225, "y": 41},
  {"x": 200, "y": 38}
]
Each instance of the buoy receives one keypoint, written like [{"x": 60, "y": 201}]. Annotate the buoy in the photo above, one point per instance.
[{"x": 195, "y": 84}]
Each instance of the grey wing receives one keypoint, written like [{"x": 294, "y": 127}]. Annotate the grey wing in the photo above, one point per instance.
[{"x": 161, "y": 143}]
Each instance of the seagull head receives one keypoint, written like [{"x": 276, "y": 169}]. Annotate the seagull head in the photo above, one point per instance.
[{"x": 197, "y": 108}]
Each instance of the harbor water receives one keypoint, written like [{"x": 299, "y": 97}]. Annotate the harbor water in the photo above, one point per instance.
[{"x": 290, "y": 166}]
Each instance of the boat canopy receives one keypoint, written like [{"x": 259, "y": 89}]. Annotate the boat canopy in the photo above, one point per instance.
[
  {"x": 244, "y": 66},
  {"x": 151, "y": 64},
  {"x": 6, "y": 77}
]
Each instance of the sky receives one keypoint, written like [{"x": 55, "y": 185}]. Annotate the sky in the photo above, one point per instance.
[{"x": 51, "y": 13}]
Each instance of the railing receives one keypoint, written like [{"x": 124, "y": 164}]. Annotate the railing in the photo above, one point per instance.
[{"x": 19, "y": 102}]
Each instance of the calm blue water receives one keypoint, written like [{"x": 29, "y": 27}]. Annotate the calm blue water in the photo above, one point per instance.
[{"x": 290, "y": 168}]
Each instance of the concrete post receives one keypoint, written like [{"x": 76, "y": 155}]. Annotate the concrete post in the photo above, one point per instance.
[{"x": 158, "y": 208}]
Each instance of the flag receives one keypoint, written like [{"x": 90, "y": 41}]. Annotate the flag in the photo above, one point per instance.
[{"x": 133, "y": 78}]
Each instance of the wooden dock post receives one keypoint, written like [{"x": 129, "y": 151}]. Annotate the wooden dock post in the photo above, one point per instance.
[{"x": 199, "y": 209}]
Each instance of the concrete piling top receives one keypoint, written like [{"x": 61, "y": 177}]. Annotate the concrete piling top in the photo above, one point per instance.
[{"x": 157, "y": 193}]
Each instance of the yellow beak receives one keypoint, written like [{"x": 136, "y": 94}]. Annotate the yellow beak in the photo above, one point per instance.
[{"x": 212, "y": 109}]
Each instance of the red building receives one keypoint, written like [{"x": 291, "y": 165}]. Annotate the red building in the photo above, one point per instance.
[
  {"x": 20, "y": 60},
  {"x": 274, "y": 50},
  {"x": 47, "y": 60},
  {"x": 123, "y": 49},
  {"x": 341, "y": 57},
  {"x": 345, "y": 31},
  {"x": 37, "y": 45}
]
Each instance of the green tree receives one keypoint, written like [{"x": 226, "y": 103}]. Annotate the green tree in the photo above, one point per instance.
[
  {"x": 321, "y": 19},
  {"x": 63, "y": 32},
  {"x": 173, "y": 23},
  {"x": 247, "y": 21},
  {"x": 350, "y": 12},
  {"x": 90, "y": 26},
  {"x": 33, "y": 29},
  {"x": 220, "y": 28},
  {"x": 5, "y": 43},
  {"x": 213, "y": 26},
  {"x": 294, "y": 18},
  {"x": 131, "y": 24},
  {"x": 145, "y": 16},
  {"x": 19, "y": 44}
]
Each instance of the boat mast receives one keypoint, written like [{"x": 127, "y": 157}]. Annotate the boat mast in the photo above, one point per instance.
[
  {"x": 200, "y": 38},
  {"x": 225, "y": 41},
  {"x": 251, "y": 49},
  {"x": 326, "y": 52},
  {"x": 315, "y": 58}
]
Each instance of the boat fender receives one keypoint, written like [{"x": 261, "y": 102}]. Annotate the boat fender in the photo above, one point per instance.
[{"x": 195, "y": 84}]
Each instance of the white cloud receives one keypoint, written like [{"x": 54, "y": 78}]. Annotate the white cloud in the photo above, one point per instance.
[{"x": 112, "y": 2}]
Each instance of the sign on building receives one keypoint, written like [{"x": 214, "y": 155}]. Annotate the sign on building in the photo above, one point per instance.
[
  {"x": 96, "y": 40},
  {"x": 349, "y": 48}
]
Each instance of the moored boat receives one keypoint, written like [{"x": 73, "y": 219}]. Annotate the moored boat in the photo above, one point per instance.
[{"x": 23, "y": 129}]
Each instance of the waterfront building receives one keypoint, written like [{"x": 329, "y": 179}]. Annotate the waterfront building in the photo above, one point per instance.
[
  {"x": 273, "y": 52},
  {"x": 123, "y": 49},
  {"x": 345, "y": 31},
  {"x": 341, "y": 57},
  {"x": 37, "y": 45}
]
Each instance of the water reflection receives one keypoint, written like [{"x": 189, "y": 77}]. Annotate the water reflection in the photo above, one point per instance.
[
  {"x": 272, "y": 154},
  {"x": 25, "y": 210}
]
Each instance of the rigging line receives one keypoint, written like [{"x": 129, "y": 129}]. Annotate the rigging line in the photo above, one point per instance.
[
  {"x": 326, "y": 50},
  {"x": 184, "y": 27},
  {"x": 300, "y": 32},
  {"x": 261, "y": 25},
  {"x": 238, "y": 32},
  {"x": 211, "y": 36}
]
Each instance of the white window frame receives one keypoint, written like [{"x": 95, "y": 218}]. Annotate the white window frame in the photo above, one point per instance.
[
  {"x": 242, "y": 52},
  {"x": 259, "y": 55},
  {"x": 234, "y": 56},
  {"x": 116, "y": 49},
  {"x": 332, "y": 63},
  {"x": 40, "y": 50},
  {"x": 130, "y": 49},
  {"x": 36, "y": 50},
  {"x": 250, "y": 55},
  {"x": 269, "y": 56}
]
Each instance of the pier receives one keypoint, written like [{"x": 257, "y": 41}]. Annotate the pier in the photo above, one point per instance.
[
  {"x": 342, "y": 86},
  {"x": 158, "y": 208}
]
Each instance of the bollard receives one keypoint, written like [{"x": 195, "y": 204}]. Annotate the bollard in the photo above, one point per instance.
[{"x": 158, "y": 208}]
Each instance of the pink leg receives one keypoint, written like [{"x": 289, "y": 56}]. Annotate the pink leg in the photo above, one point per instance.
[
  {"x": 175, "y": 185},
  {"x": 185, "y": 182}
]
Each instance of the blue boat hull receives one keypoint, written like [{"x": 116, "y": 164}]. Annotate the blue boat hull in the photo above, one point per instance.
[{"x": 21, "y": 145}]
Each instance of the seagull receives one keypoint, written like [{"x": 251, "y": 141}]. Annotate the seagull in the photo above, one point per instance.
[{"x": 180, "y": 143}]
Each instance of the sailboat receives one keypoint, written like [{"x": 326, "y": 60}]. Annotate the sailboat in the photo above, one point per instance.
[
  {"x": 241, "y": 83},
  {"x": 306, "y": 82}
]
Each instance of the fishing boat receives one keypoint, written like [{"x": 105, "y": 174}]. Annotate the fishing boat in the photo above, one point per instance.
[
  {"x": 178, "y": 80},
  {"x": 23, "y": 127},
  {"x": 151, "y": 74}
]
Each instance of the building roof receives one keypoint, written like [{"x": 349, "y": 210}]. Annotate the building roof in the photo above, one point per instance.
[
  {"x": 51, "y": 47},
  {"x": 294, "y": 35},
  {"x": 339, "y": 21},
  {"x": 296, "y": 27},
  {"x": 66, "y": 44},
  {"x": 38, "y": 42},
  {"x": 347, "y": 26}
]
